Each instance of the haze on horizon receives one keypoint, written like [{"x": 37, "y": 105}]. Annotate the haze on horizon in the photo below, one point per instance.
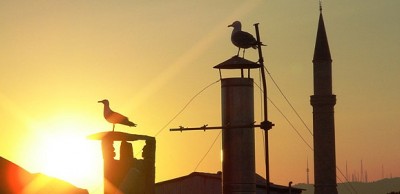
[{"x": 58, "y": 58}]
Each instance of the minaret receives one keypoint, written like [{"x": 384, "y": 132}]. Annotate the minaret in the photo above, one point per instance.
[{"x": 323, "y": 102}]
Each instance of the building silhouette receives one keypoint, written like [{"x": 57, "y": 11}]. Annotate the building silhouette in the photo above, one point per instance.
[{"x": 210, "y": 183}]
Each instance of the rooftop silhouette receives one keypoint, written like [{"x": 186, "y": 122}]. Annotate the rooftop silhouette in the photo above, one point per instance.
[{"x": 15, "y": 179}]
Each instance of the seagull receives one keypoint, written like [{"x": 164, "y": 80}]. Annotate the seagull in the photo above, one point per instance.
[
  {"x": 114, "y": 117},
  {"x": 242, "y": 39}
]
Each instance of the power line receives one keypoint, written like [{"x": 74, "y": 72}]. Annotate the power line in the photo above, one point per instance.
[
  {"x": 208, "y": 151},
  {"x": 290, "y": 123},
  {"x": 347, "y": 181},
  {"x": 184, "y": 107},
  {"x": 287, "y": 100},
  {"x": 287, "y": 120}
]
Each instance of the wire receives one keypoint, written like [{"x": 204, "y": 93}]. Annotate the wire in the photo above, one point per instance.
[
  {"x": 290, "y": 123},
  {"x": 284, "y": 116},
  {"x": 261, "y": 94},
  {"x": 184, "y": 107},
  {"x": 345, "y": 178},
  {"x": 287, "y": 100},
  {"x": 208, "y": 151},
  {"x": 262, "y": 112}
]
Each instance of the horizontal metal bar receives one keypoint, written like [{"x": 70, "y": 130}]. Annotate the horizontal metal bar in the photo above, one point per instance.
[{"x": 211, "y": 128}]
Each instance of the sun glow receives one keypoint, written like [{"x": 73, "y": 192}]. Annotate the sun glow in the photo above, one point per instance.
[{"x": 64, "y": 152}]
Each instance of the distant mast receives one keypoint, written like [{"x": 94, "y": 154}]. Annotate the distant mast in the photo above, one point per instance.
[
  {"x": 347, "y": 175},
  {"x": 308, "y": 173},
  {"x": 362, "y": 172}
]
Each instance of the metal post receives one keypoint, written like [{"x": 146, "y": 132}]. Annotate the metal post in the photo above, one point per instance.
[{"x": 266, "y": 125}]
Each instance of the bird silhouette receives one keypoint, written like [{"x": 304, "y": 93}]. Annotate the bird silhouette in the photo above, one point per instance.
[
  {"x": 114, "y": 117},
  {"x": 243, "y": 40}
]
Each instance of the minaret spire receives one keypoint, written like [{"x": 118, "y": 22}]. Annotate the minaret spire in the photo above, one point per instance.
[
  {"x": 322, "y": 61},
  {"x": 321, "y": 51}
]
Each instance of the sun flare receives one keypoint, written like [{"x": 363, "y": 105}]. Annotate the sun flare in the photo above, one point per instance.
[{"x": 64, "y": 152}]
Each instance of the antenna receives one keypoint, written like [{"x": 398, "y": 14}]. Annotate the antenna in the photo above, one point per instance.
[
  {"x": 320, "y": 6},
  {"x": 308, "y": 172},
  {"x": 362, "y": 171},
  {"x": 347, "y": 175}
]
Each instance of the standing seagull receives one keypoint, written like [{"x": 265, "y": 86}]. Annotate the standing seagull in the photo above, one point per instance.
[
  {"x": 114, "y": 117},
  {"x": 242, "y": 39}
]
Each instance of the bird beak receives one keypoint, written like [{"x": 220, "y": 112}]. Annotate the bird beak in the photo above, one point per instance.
[
  {"x": 100, "y": 101},
  {"x": 230, "y": 25}
]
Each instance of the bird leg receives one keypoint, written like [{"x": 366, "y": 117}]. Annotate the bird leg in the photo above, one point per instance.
[
  {"x": 238, "y": 52},
  {"x": 113, "y": 127},
  {"x": 243, "y": 52}
]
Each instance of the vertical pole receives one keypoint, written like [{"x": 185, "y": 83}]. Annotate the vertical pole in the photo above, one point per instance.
[
  {"x": 347, "y": 175},
  {"x": 308, "y": 173},
  {"x": 238, "y": 163},
  {"x": 265, "y": 125}
]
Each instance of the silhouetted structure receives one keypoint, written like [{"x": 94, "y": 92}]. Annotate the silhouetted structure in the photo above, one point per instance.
[
  {"x": 128, "y": 174},
  {"x": 323, "y": 102},
  {"x": 238, "y": 163},
  {"x": 238, "y": 149},
  {"x": 208, "y": 183}
]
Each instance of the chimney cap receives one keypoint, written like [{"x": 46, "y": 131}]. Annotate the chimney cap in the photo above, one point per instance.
[
  {"x": 237, "y": 62},
  {"x": 118, "y": 136}
]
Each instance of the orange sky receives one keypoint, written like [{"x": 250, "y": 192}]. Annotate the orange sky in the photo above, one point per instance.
[{"x": 58, "y": 58}]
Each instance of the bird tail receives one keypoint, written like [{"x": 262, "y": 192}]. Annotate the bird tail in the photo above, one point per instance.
[
  {"x": 131, "y": 124},
  {"x": 255, "y": 46}
]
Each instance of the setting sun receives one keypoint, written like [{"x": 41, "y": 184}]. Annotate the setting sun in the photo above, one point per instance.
[{"x": 64, "y": 152}]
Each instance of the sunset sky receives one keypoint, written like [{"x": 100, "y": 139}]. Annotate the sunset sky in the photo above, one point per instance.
[{"x": 149, "y": 58}]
